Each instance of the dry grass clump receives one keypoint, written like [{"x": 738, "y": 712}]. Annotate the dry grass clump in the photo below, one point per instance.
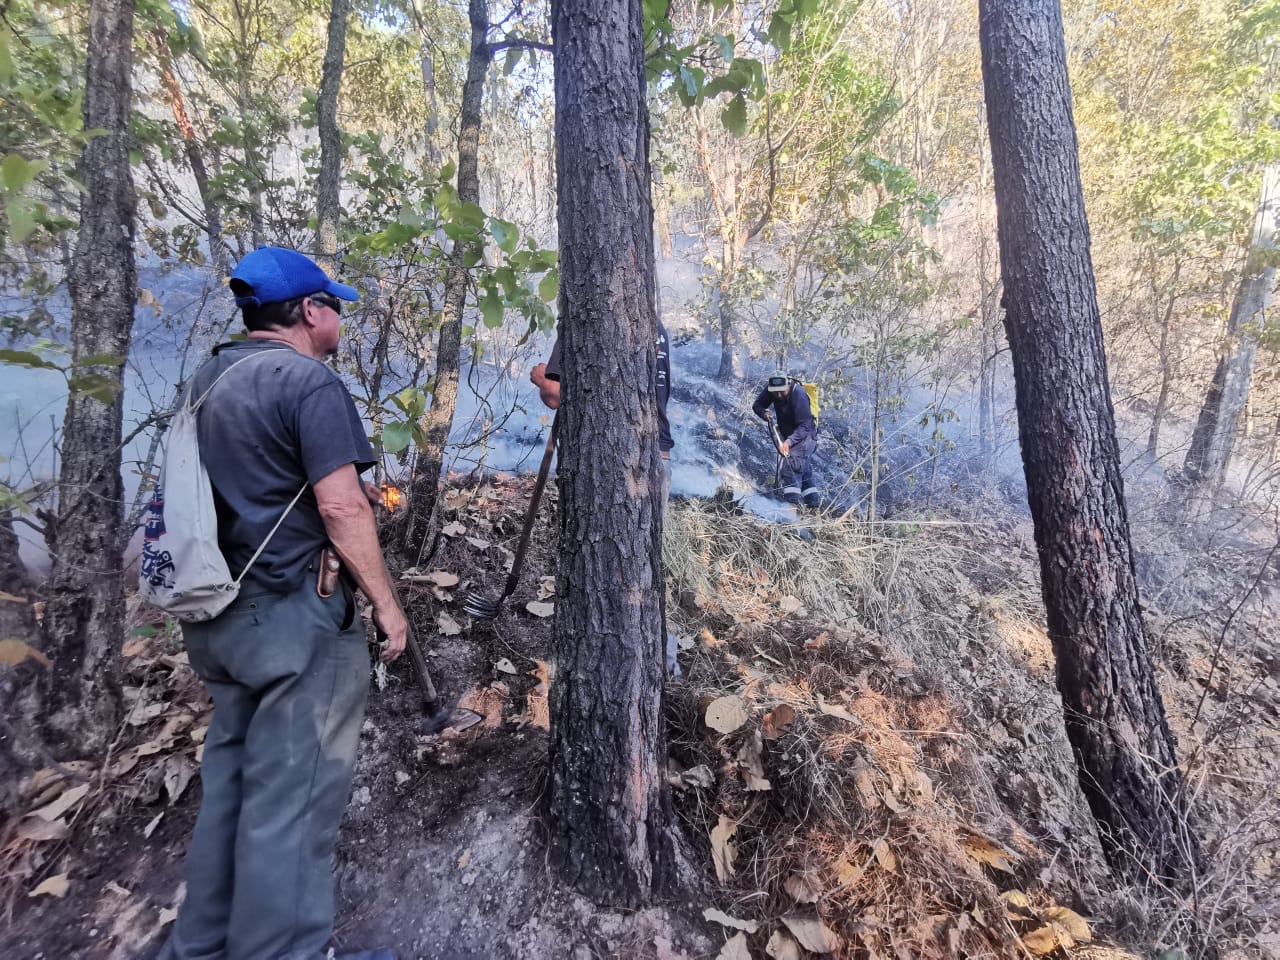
[{"x": 846, "y": 794}]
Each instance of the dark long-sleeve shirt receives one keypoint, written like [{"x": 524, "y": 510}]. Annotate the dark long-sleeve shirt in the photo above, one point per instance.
[{"x": 795, "y": 419}]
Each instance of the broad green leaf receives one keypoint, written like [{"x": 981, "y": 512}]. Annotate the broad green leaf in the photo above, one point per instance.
[
  {"x": 17, "y": 171},
  {"x": 549, "y": 285},
  {"x": 506, "y": 235},
  {"x": 23, "y": 358},
  {"x": 734, "y": 116},
  {"x": 22, "y": 219},
  {"x": 513, "y": 58},
  {"x": 6, "y": 57},
  {"x": 395, "y": 437},
  {"x": 726, "y": 46},
  {"x": 491, "y": 309},
  {"x": 97, "y": 386},
  {"x": 780, "y": 30}
]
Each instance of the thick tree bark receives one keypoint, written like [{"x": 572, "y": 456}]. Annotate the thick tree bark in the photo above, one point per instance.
[
  {"x": 424, "y": 517},
  {"x": 329, "y": 181},
  {"x": 609, "y": 804},
  {"x": 1114, "y": 715},
  {"x": 1216, "y": 427},
  {"x": 79, "y": 698},
  {"x": 218, "y": 251}
]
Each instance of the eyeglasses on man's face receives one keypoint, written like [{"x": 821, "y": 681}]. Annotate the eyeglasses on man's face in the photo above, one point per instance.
[{"x": 325, "y": 300}]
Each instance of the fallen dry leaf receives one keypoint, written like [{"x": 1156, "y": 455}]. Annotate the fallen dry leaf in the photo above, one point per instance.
[
  {"x": 699, "y": 776},
  {"x": 546, "y": 587},
  {"x": 735, "y": 949},
  {"x": 12, "y": 598},
  {"x": 831, "y": 710},
  {"x": 178, "y": 772},
  {"x": 443, "y": 578},
  {"x": 802, "y": 888},
  {"x": 65, "y": 802},
  {"x": 885, "y": 856},
  {"x": 1047, "y": 939},
  {"x": 751, "y": 762},
  {"x": 723, "y": 852},
  {"x": 782, "y": 947},
  {"x": 709, "y": 638},
  {"x": 818, "y": 642},
  {"x": 464, "y": 859},
  {"x": 454, "y": 529},
  {"x": 39, "y": 829},
  {"x": 726, "y": 714},
  {"x": 53, "y": 887},
  {"x": 722, "y": 918},
  {"x": 168, "y": 915},
  {"x": 987, "y": 851},
  {"x": 448, "y": 626},
  {"x": 539, "y": 609},
  {"x": 777, "y": 720},
  {"x": 1070, "y": 921},
  {"x": 134, "y": 646},
  {"x": 790, "y": 604},
  {"x": 812, "y": 933},
  {"x": 14, "y": 652},
  {"x": 506, "y": 666},
  {"x": 480, "y": 543},
  {"x": 537, "y": 712},
  {"x": 115, "y": 888},
  {"x": 150, "y": 828}
]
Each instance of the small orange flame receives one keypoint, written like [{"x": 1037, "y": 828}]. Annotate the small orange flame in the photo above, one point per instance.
[{"x": 391, "y": 497}]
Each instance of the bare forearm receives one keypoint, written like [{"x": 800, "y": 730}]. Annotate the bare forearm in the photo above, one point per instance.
[{"x": 354, "y": 534}]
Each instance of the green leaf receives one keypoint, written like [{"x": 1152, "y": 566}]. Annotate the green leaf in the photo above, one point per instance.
[
  {"x": 513, "y": 58},
  {"x": 734, "y": 116},
  {"x": 549, "y": 285},
  {"x": 780, "y": 30},
  {"x": 22, "y": 220},
  {"x": 101, "y": 359},
  {"x": 96, "y": 386},
  {"x": 395, "y": 437},
  {"x": 16, "y": 171},
  {"x": 807, "y": 8},
  {"x": 146, "y": 630},
  {"x": 506, "y": 235},
  {"x": 491, "y": 308},
  {"x": 6, "y": 57},
  {"x": 726, "y": 47},
  {"x": 23, "y": 358}
]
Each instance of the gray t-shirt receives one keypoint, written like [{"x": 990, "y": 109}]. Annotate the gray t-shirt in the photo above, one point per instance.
[{"x": 268, "y": 428}]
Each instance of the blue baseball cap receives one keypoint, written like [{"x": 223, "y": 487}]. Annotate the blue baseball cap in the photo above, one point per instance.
[{"x": 274, "y": 275}]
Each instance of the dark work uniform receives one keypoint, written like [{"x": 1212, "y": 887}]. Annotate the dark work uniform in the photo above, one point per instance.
[
  {"x": 799, "y": 431},
  {"x": 287, "y": 670}
]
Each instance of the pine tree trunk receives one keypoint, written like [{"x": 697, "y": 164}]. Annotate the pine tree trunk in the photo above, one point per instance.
[
  {"x": 79, "y": 698},
  {"x": 1114, "y": 715},
  {"x": 612, "y": 832},
  {"x": 329, "y": 181},
  {"x": 437, "y": 422},
  {"x": 1216, "y": 427}
]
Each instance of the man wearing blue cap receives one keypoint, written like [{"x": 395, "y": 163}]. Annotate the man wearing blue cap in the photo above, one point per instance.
[{"x": 287, "y": 663}]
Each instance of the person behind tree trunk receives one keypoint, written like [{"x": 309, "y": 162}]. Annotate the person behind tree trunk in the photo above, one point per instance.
[
  {"x": 287, "y": 663},
  {"x": 799, "y": 435},
  {"x": 546, "y": 377}
]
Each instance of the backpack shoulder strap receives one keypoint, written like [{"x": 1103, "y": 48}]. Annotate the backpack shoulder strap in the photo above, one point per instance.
[{"x": 196, "y": 403}]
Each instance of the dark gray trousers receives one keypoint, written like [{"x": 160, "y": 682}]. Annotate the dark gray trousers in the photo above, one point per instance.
[{"x": 289, "y": 675}]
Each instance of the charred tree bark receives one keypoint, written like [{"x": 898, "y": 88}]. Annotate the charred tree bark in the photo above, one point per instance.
[
  {"x": 218, "y": 250},
  {"x": 423, "y": 521},
  {"x": 1216, "y": 427},
  {"x": 1114, "y": 715},
  {"x": 329, "y": 181},
  {"x": 612, "y": 830},
  {"x": 79, "y": 697}
]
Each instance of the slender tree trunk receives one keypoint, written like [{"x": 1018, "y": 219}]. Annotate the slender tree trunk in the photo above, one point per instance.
[
  {"x": 218, "y": 251},
  {"x": 428, "y": 64},
  {"x": 1166, "y": 353},
  {"x": 1216, "y": 428},
  {"x": 423, "y": 522},
  {"x": 79, "y": 698},
  {"x": 612, "y": 832},
  {"x": 329, "y": 182},
  {"x": 1114, "y": 715}
]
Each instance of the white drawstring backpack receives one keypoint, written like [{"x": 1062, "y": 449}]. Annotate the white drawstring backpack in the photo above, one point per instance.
[{"x": 182, "y": 570}]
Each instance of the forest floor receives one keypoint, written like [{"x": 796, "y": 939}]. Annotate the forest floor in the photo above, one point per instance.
[{"x": 867, "y": 755}]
